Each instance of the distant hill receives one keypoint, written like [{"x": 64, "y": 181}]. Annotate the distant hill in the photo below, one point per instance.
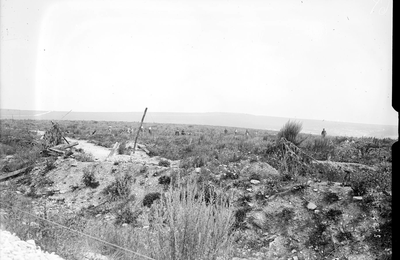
[{"x": 215, "y": 119}]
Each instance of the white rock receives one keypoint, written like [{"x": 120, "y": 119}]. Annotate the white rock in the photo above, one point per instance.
[
  {"x": 311, "y": 206},
  {"x": 255, "y": 182}
]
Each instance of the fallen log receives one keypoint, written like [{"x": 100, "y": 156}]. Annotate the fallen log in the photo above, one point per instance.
[
  {"x": 56, "y": 150},
  {"x": 142, "y": 147},
  {"x": 13, "y": 174}
]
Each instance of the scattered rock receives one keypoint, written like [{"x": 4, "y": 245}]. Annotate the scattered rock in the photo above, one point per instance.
[
  {"x": 255, "y": 182},
  {"x": 311, "y": 206}
]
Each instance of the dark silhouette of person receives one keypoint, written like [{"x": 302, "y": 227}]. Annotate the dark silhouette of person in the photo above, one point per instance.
[{"x": 323, "y": 133}]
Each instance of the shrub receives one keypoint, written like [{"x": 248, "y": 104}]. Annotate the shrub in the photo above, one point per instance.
[
  {"x": 89, "y": 179},
  {"x": 164, "y": 180},
  {"x": 240, "y": 217},
  {"x": 127, "y": 216},
  {"x": 359, "y": 187},
  {"x": 290, "y": 132},
  {"x": 333, "y": 214},
  {"x": 84, "y": 157},
  {"x": 122, "y": 148},
  {"x": 330, "y": 197},
  {"x": 189, "y": 228},
  {"x": 164, "y": 163},
  {"x": 150, "y": 198},
  {"x": 49, "y": 165},
  {"x": 120, "y": 188}
]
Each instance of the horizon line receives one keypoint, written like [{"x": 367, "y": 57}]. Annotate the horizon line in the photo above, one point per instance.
[{"x": 170, "y": 112}]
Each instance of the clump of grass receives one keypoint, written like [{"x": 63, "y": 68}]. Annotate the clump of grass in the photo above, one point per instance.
[
  {"x": 240, "y": 217},
  {"x": 164, "y": 163},
  {"x": 333, "y": 214},
  {"x": 83, "y": 157},
  {"x": 319, "y": 238},
  {"x": 290, "y": 131},
  {"x": 164, "y": 180},
  {"x": 89, "y": 178},
  {"x": 120, "y": 188},
  {"x": 344, "y": 236},
  {"x": 190, "y": 227},
  {"x": 128, "y": 216},
  {"x": 122, "y": 148},
  {"x": 50, "y": 165},
  {"x": 330, "y": 197},
  {"x": 359, "y": 187},
  {"x": 286, "y": 215}
]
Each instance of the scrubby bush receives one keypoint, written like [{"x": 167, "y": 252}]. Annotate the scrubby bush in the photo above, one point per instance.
[
  {"x": 83, "y": 157},
  {"x": 150, "y": 198},
  {"x": 290, "y": 131},
  {"x": 164, "y": 180},
  {"x": 89, "y": 179},
  {"x": 330, "y": 197},
  {"x": 50, "y": 165},
  {"x": 122, "y": 148},
  {"x": 164, "y": 163},
  {"x": 127, "y": 216},
  {"x": 120, "y": 188}
]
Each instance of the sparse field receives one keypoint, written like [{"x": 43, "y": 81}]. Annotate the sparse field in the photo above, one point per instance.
[{"x": 203, "y": 195}]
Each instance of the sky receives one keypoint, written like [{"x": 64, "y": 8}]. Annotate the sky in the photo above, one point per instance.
[{"x": 311, "y": 59}]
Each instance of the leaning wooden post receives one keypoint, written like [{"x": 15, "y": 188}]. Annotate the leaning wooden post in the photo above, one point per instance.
[{"x": 137, "y": 135}]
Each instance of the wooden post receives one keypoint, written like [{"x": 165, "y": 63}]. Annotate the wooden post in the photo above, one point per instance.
[{"x": 137, "y": 135}]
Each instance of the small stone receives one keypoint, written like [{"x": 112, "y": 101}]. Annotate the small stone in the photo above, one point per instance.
[
  {"x": 295, "y": 258},
  {"x": 311, "y": 206},
  {"x": 317, "y": 211},
  {"x": 294, "y": 251},
  {"x": 315, "y": 190},
  {"x": 357, "y": 198},
  {"x": 309, "y": 182},
  {"x": 32, "y": 242},
  {"x": 255, "y": 182}
]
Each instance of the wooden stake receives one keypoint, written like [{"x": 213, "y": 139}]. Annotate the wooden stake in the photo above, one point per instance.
[{"x": 137, "y": 135}]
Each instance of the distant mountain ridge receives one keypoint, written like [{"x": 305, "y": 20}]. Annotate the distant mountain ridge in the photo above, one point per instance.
[{"x": 214, "y": 119}]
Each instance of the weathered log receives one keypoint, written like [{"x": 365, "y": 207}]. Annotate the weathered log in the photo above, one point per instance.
[
  {"x": 142, "y": 147},
  {"x": 12, "y": 174},
  {"x": 56, "y": 150}
]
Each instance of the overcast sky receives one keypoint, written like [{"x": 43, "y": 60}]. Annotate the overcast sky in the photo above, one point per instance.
[{"x": 322, "y": 59}]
